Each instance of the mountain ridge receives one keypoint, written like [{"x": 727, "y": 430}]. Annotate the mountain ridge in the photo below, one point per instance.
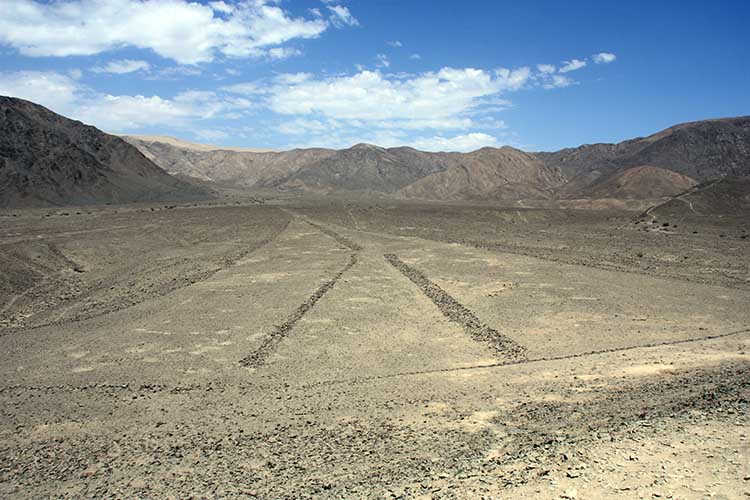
[{"x": 47, "y": 159}]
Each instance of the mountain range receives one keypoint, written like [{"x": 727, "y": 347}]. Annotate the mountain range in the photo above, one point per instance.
[
  {"x": 658, "y": 166},
  {"x": 48, "y": 159}
]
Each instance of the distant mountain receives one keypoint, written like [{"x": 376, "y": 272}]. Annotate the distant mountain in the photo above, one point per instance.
[
  {"x": 661, "y": 165},
  {"x": 228, "y": 166},
  {"x": 364, "y": 168},
  {"x": 700, "y": 150},
  {"x": 47, "y": 159},
  {"x": 194, "y": 146},
  {"x": 486, "y": 174}
]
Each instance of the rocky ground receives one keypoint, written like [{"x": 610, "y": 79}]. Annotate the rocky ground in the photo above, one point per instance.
[{"x": 310, "y": 349}]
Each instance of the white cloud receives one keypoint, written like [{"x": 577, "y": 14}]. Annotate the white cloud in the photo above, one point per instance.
[
  {"x": 513, "y": 80},
  {"x": 302, "y": 126},
  {"x": 246, "y": 88},
  {"x": 546, "y": 68},
  {"x": 187, "y": 32},
  {"x": 558, "y": 81},
  {"x": 277, "y": 53},
  {"x": 50, "y": 89},
  {"x": 211, "y": 135},
  {"x": 372, "y": 96},
  {"x": 572, "y": 65},
  {"x": 415, "y": 57},
  {"x": 221, "y": 7},
  {"x": 462, "y": 143},
  {"x": 604, "y": 57},
  {"x": 340, "y": 16},
  {"x": 382, "y": 61},
  {"x": 122, "y": 66},
  {"x": 395, "y": 43},
  {"x": 118, "y": 113}
]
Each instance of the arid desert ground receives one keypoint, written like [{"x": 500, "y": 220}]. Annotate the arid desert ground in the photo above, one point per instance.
[{"x": 331, "y": 348}]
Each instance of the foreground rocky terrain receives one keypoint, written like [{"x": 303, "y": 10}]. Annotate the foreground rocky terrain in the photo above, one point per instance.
[{"x": 308, "y": 348}]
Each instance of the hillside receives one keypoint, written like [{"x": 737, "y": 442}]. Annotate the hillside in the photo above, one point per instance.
[
  {"x": 700, "y": 150},
  {"x": 47, "y": 159},
  {"x": 364, "y": 167},
  {"x": 489, "y": 173},
  {"x": 236, "y": 166},
  {"x": 641, "y": 182},
  {"x": 725, "y": 196}
]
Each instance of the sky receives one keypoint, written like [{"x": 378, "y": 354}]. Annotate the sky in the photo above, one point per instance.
[{"x": 435, "y": 75}]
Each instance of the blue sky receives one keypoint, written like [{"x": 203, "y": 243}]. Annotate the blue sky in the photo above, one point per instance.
[{"x": 430, "y": 74}]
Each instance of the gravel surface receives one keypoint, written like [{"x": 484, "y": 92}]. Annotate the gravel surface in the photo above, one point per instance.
[{"x": 305, "y": 365}]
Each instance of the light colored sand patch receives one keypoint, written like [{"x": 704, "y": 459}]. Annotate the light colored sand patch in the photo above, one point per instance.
[
  {"x": 644, "y": 370},
  {"x": 270, "y": 277},
  {"x": 154, "y": 332},
  {"x": 479, "y": 420},
  {"x": 83, "y": 369},
  {"x": 204, "y": 349},
  {"x": 199, "y": 371},
  {"x": 475, "y": 363},
  {"x": 585, "y": 298},
  {"x": 364, "y": 300},
  {"x": 78, "y": 354},
  {"x": 325, "y": 321},
  {"x": 139, "y": 349}
]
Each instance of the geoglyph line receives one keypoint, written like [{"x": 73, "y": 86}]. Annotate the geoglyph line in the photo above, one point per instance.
[
  {"x": 258, "y": 357},
  {"x": 453, "y": 310}
]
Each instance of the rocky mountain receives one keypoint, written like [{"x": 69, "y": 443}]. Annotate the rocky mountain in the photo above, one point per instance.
[
  {"x": 238, "y": 167},
  {"x": 47, "y": 159},
  {"x": 718, "y": 197},
  {"x": 643, "y": 182},
  {"x": 700, "y": 150},
  {"x": 489, "y": 173},
  {"x": 657, "y": 166},
  {"x": 364, "y": 168}
]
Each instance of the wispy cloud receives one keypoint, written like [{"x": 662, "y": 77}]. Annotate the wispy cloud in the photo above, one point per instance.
[
  {"x": 382, "y": 61},
  {"x": 340, "y": 16},
  {"x": 572, "y": 65},
  {"x": 122, "y": 66}
]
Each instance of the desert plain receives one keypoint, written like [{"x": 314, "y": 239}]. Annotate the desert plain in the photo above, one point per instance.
[{"x": 331, "y": 347}]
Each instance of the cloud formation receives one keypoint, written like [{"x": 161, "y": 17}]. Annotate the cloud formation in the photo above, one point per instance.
[
  {"x": 187, "y": 32},
  {"x": 122, "y": 66},
  {"x": 572, "y": 65},
  {"x": 118, "y": 113},
  {"x": 603, "y": 58},
  {"x": 340, "y": 16}
]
